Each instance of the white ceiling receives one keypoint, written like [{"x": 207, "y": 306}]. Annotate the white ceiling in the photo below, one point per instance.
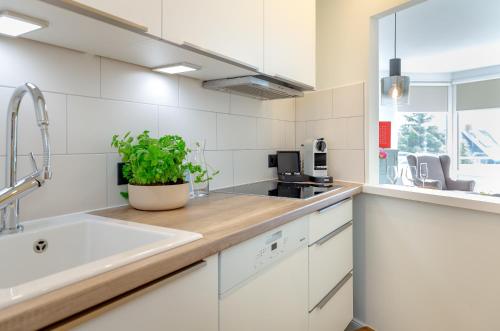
[{"x": 443, "y": 36}]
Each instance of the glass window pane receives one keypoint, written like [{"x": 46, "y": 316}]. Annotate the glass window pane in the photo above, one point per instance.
[
  {"x": 421, "y": 133},
  {"x": 479, "y": 148}
]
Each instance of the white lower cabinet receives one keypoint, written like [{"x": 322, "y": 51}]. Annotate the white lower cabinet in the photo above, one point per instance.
[
  {"x": 330, "y": 268},
  {"x": 187, "y": 301},
  {"x": 329, "y": 262},
  {"x": 264, "y": 282},
  {"x": 297, "y": 277},
  {"x": 336, "y": 311},
  {"x": 276, "y": 300}
]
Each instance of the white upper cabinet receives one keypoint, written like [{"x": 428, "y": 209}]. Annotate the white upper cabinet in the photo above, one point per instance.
[
  {"x": 146, "y": 13},
  {"x": 229, "y": 28},
  {"x": 290, "y": 39}
]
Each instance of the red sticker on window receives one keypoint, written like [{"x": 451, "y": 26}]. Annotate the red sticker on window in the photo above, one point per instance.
[{"x": 384, "y": 134}]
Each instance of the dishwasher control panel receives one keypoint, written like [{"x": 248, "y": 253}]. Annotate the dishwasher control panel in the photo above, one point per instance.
[
  {"x": 240, "y": 262},
  {"x": 274, "y": 246}
]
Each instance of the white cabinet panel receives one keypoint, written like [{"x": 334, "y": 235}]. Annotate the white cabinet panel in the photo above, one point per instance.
[
  {"x": 328, "y": 219},
  {"x": 227, "y": 27},
  {"x": 275, "y": 300},
  {"x": 337, "y": 312},
  {"x": 290, "y": 39},
  {"x": 145, "y": 12},
  {"x": 329, "y": 263},
  {"x": 186, "y": 301}
]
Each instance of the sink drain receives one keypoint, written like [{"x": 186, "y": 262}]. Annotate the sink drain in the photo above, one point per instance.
[{"x": 40, "y": 246}]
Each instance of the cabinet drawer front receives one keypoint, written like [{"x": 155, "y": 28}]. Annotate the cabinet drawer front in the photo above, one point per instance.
[
  {"x": 337, "y": 313},
  {"x": 329, "y": 219},
  {"x": 328, "y": 264},
  {"x": 167, "y": 304}
]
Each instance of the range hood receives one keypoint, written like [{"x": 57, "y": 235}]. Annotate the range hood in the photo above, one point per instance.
[{"x": 259, "y": 87}]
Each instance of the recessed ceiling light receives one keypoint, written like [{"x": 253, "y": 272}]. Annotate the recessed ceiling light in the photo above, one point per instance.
[
  {"x": 14, "y": 24},
  {"x": 177, "y": 68}
]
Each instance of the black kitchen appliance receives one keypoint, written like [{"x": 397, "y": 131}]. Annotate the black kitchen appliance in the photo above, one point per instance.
[
  {"x": 289, "y": 167},
  {"x": 282, "y": 189}
]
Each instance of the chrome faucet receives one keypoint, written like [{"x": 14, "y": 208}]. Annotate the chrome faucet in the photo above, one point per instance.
[{"x": 16, "y": 189}]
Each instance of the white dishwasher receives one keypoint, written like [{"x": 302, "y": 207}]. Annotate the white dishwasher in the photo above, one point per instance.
[{"x": 263, "y": 281}]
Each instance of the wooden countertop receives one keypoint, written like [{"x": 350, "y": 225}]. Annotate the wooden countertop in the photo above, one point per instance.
[{"x": 223, "y": 219}]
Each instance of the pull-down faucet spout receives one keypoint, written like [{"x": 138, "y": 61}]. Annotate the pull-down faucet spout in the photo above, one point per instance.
[{"x": 16, "y": 189}]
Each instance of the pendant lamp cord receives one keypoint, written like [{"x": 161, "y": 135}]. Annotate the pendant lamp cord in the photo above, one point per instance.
[{"x": 395, "y": 33}]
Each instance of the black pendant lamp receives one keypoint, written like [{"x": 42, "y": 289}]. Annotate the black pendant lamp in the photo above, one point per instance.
[{"x": 395, "y": 88}]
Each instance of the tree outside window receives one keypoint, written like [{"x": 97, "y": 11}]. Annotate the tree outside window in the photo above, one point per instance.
[{"x": 422, "y": 133}]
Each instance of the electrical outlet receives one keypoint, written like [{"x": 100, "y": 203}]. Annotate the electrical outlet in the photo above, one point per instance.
[
  {"x": 272, "y": 161},
  {"x": 121, "y": 180}
]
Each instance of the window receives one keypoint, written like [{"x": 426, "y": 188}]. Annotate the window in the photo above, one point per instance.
[
  {"x": 479, "y": 148},
  {"x": 422, "y": 126},
  {"x": 422, "y": 132}
]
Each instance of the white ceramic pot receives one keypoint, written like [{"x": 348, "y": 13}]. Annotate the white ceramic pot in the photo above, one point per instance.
[{"x": 158, "y": 197}]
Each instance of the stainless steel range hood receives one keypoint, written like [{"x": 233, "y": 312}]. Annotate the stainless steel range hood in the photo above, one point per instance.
[{"x": 259, "y": 86}]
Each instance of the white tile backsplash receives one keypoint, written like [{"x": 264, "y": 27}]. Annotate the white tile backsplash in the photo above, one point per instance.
[
  {"x": 113, "y": 190},
  {"x": 314, "y": 106},
  {"x": 355, "y": 133},
  {"x": 236, "y": 132},
  {"x": 193, "y": 125},
  {"x": 123, "y": 81},
  {"x": 271, "y": 134},
  {"x": 223, "y": 162},
  {"x": 78, "y": 183},
  {"x": 92, "y": 122},
  {"x": 251, "y": 166},
  {"x": 290, "y": 135},
  {"x": 281, "y": 109},
  {"x": 347, "y": 164},
  {"x": 300, "y": 133},
  {"x": 29, "y": 133},
  {"x": 341, "y": 122},
  {"x": 349, "y": 101},
  {"x": 91, "y": 98},
  {"x": 51, "y": 68},
  {"x": 248, "y": 106},
  {"x": 193, "y": 95}
]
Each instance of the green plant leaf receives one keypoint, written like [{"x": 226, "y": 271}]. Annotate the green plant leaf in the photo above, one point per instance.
[{"x": 156, "y": 161}]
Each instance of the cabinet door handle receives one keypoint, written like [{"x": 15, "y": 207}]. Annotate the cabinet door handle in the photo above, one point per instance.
[
  {"x": 335, "y": 205},
  {"x": 100, "y": 15},
  {"x": 334, "y": 291},
  {"x": 333, "y": 234}
]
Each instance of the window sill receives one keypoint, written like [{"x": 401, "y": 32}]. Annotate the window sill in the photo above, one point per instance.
[{"x": 446, "y": 198}]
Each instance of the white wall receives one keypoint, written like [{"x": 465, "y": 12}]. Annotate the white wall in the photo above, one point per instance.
[
  {"x": 421, "y": 266},
  {"x": 91, "y": 98},
  {"x": 346, "y": 54},
  {"x": 343, "y": 39},
  {"x": 338, "y": 116}
]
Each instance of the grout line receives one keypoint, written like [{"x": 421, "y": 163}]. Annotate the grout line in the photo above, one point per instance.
[
  {"x": 233, "y": 167},
  {"x": 217, "y": 131},
  {"x": 67, "y": 125},
  {"x": 178, "y": 90},
  {"x": 158, "y": 121},
  {"x": 271, "y": 148},
  {"x": 100, "y": 76},
  {"x": 107, "y": 179}
]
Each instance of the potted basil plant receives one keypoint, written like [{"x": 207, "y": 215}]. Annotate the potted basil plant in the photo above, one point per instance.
[{"x": 156, "y": 170}]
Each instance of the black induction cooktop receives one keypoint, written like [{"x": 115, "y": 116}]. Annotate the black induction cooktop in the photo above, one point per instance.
[{"x": 281, "y": 189}]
